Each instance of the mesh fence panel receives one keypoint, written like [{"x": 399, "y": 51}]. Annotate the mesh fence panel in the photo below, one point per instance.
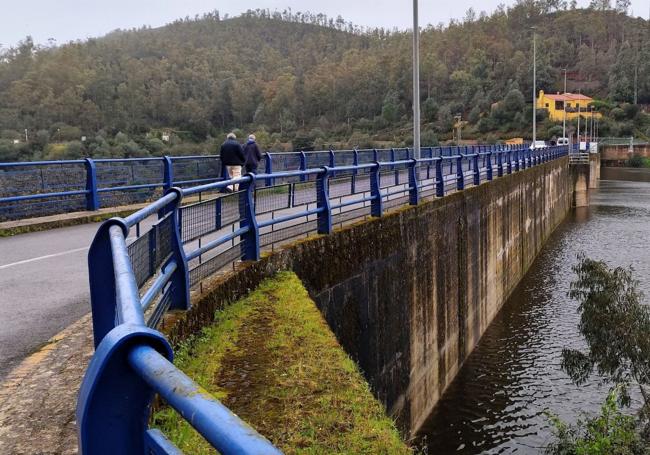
[
  {"x": 351, "y": 215},
  {"x": 214, "y": 264},
  {"x": 341, "y": 186},
  {"x": 287, "y": 233},
  {"x": 196, "y": 169},
  {"x": 150, "y": 250},
  {"x": 304, "y": 193},
  {"x": 200, "y": 219},
  {"x": 272, "y": 198}
]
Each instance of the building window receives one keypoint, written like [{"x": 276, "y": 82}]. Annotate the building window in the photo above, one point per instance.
[
  {"x": 546, "y": 104},
  {"x": 558, "y": 106},
  {"x": 568, "y": 104}
]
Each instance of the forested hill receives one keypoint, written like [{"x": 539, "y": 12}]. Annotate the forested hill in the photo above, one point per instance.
[{"x": 308, "y": 80}]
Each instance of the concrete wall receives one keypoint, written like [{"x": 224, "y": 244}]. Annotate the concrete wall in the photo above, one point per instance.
[
  {"x": 618, "y": 155},
  {"x": 409, "y": 295}
]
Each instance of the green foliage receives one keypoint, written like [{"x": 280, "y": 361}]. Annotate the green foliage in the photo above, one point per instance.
[
  {"x": 429, "y": 110},
  {"x": 615, "y": 325},
  {"x": 638, "y": 161},
  {"x": 610, "y": 433},
  {"x": 288, "y": 73}
]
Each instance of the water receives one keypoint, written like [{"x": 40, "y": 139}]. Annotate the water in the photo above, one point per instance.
[{"x": 497, "y": 402}]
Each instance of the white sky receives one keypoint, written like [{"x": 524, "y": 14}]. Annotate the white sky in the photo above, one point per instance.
[{"x": 66, "y": 20}]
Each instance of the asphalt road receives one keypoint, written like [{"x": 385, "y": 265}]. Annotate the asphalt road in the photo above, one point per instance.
[
  {"x": 44, "y": 284},
  {"x": 43, "y": 288}
]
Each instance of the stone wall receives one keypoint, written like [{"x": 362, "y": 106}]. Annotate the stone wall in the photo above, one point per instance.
[{"x": 410, "y": 294}]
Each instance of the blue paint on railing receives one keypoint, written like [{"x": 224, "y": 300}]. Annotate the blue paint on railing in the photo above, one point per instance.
[{"x": 133, "y": 360}]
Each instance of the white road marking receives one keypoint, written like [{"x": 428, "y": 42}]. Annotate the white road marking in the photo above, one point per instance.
[{"x": 40, "y": 258}]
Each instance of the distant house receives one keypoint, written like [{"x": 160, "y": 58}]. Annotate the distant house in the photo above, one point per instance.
[{"x": 554, "y": 104}]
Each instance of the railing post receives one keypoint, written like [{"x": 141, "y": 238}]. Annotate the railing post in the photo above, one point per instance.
[
  {"x": 92, "y": 196},
  {"x": 440, "y": 182},
  {"x": 332, "y": 164},
  {"x": 324, "y": 219},
  {"x": 355, "y": 161},
  {"x": 268, "y": 169},
  {"x": 180, "y": 279},
  {"x": 477, "y": 168},
  {"x": 303, "y": 166},
  {"x": 251, "y": 238},
  {"x": 499, "y": 162},
  {"x": 414, "y": 193},
  {"x": 509, "y": 163},
  {"x": 516, "y": 150},
  {"x": 460, "y": 175},
  {"x": 168, "y": 173},
  {"x": 488, "y": 171},
  {"x": 376, "y": 204}
]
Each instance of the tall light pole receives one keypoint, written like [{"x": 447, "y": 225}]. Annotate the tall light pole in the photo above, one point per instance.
[
  {"x": 534, "y": 87},
  {"x": 564, "y": 107},
  {"x": 416, "y": 82}
]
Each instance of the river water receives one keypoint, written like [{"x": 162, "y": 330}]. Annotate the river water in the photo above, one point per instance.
[{"x": 497, "y": 402}]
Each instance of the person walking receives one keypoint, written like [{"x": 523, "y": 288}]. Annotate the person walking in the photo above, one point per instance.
[
  {"x": 252, "y": 154},
  {"x": 232, "y": 156}
]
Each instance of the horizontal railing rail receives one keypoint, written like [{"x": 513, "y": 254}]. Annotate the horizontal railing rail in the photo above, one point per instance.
[{"x": 135, "y": 279}]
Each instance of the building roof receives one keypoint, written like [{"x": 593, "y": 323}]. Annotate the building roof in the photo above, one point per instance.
[{"x": 568, "y": 97}]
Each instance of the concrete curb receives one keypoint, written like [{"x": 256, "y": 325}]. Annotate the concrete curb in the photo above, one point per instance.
[{"x": 10, "y": 228}]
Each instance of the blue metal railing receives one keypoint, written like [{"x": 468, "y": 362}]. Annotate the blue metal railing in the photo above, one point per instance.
[
  {"x": 39, "y": 188},
  {"x": 134, "y": 280}
]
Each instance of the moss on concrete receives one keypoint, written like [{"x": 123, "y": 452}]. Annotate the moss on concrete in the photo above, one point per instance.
[
  {"x": 8, "y": 229},
  {"x": 272, "y": 359}
]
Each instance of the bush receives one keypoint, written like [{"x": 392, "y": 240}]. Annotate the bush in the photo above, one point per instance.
[
  {"x": 638, "y": 161},
  {"x": 610, "y": 433},
  {"x": 428, "y": 138},
  {"x": 617, "y": 114}
]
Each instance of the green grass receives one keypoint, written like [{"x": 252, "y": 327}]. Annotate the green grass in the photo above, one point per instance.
[{"x": 272, "y": 359}]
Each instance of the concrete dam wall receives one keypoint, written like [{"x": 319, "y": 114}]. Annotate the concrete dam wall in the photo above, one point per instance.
[{"x": 410, "y": 294}]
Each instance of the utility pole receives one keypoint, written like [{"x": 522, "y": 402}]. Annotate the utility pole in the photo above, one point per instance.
[
  {"x": 578, "y": 137},
  {"x": 534, "y": 87},
  {"x": 416, "y": 82},
  {"x": 564, "y": 107}
]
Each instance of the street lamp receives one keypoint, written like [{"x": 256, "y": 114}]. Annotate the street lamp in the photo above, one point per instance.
[
  {"x": 534, "y": 87},
  {"x": 416, "y": 82},
  {"x": 564, "y": 107}
]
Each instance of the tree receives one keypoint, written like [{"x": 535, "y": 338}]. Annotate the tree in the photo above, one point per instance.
[
  {"x": 615, "y": 325},
  {"x": 429, "y": 110},
  {"x": 390, "y": 109},
  {"x": 623, "y": 6}
]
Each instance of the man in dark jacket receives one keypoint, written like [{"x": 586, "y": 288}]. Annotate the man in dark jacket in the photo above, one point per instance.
[
  {"x": 252, "y": 154},
  {"x": 232, "y": 156}
]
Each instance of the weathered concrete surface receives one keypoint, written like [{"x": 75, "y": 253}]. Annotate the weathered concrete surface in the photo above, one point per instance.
[
  {"x": 410, "y": 294},
  {"x": 594, "y": 170},
  {"x": 618, "y": 155},
  {"x": 580, "y": 176},
  {"x": 38, "y": 398}
]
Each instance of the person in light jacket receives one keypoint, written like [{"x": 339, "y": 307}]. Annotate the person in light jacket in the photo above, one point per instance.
[
  {"x": 232, "y": 156},
  {"x": 252, "y": 154}
]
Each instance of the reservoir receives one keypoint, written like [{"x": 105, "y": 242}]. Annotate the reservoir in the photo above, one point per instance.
[{"x": 497, "y": 403}]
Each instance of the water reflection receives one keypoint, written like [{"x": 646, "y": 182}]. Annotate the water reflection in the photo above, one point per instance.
[{"x": 497, "y": 403}]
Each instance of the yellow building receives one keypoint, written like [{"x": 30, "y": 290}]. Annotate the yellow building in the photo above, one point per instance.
[{"x": 554, "y": 104}]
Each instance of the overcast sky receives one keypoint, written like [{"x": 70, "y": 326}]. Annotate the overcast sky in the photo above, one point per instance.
[{"x": 66, "y": 20}]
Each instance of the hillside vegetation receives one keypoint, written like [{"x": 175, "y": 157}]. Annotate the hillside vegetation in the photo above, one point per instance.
[{"x": 302, "y": 80}]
